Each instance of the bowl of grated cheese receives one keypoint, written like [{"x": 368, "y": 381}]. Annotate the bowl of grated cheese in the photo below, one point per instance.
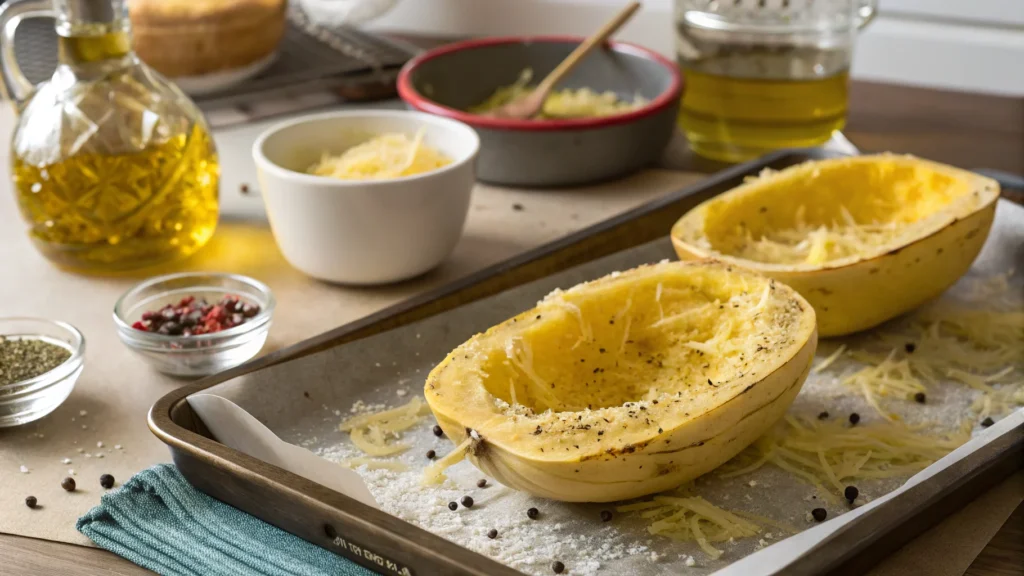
[
  {"x": 612, "y": 115},
  {"x": 367, "y": 197}
]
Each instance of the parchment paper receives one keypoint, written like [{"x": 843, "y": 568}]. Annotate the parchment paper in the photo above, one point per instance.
[
  {"x": 303, "y": 401},
  {"x": 117, "y": 388}
]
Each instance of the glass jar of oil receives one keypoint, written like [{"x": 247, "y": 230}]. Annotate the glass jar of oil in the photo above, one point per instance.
[
  {"x": 764, "y": 74},
  {"x": 113, "y": 166}
]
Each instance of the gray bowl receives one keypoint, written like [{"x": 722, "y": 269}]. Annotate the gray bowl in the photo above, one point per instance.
[{"x": 450, "y": 79}]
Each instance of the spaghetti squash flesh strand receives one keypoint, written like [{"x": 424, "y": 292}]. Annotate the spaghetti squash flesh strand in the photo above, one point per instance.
[
  {"x": 377, "y": 434},
  {"x": 694, "y": 519}
]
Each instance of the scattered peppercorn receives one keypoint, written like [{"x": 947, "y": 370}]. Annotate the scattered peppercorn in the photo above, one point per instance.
[
  {"x": 244, "y": 188},
  {"x": 854, "y": 418},
  {"x": 452, "y": 506},
  {"x": 557, "y": 567},
  {"x": 437, "y": 431},
  {"x": 68, "y": 484},
  {"x": 191, "y": 317},
  {"x": 517, "y": 207},
  {"x": 481, "y": 483},
  {"x": 467, "y": 501},
  {"x": 910, "y": 347},
  {"x": 823, "y": 415},
  {"x": 330, "y": 532},
  {"x": 606, "y": 515},
  {"x": 819, "y": 514},
  {"x": 431, "y": 454},
  {"x": 851, "y": 493},
  {"x": 920, "y": 398},
  {"x": 532, "y": 513},
  {"x": 988, "y": 421},
  {"x": 31, "y": 501},
  {"x": 107, "y": 481},
  {"x": 492, "y": 533}
]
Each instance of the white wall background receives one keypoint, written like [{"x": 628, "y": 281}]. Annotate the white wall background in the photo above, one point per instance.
[{"x": 970, "y": 45}]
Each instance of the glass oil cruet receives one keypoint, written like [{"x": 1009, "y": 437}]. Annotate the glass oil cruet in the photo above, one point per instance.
[{"x": 114, "y": 167}]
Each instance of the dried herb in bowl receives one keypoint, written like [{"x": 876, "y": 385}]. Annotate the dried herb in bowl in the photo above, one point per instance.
[{"x": 23, "y": 358}]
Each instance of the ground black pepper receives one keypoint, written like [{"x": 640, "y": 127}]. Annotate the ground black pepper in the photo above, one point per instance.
[
  {"x": 481, "y": 483},
  {"x": 25, "y": 358},
  {"x": 606, "y": 515},
  {"x": 68, "y": 484},
  {"x": 467, "y": 501},
  {"x": 107, "y": 481},
  {"x": 819, "y": 514},
  {"x": 532, "y": 513},
  {"x": 854, "y": 418},
  {"x": 31, "y": 501},
  {"x": 453, "y": 506},
  {"x": 517, "y": 207}
]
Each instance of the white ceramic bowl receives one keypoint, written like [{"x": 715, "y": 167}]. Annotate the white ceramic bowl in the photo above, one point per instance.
[{"x": 364, "y": 231}]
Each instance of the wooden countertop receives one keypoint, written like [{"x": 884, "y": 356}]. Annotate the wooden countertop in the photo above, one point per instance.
[{"x": 967, "y": 130}]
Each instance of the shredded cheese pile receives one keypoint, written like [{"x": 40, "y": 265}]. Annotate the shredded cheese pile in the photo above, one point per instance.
[
  {"x": 566, "y": 103},
  {"x": 829, "y": 455},
  {"x": 377, "y": 434},
  {"x": 385, "y": 156},
  {"x": 694, "y": 519},
  {"x": 806, "y": 244}
]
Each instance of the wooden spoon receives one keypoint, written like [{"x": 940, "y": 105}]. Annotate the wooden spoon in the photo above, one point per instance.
[{"x": 529, "y": 105}]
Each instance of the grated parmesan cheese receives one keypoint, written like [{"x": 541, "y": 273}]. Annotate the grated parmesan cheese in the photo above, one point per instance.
[
  {"x": 386, "y": 156},
  {"x": 372, "y": 433}
]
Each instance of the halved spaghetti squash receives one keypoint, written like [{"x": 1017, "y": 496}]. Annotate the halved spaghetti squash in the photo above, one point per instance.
[
  {"x": 627, "y": 385},
  {"x": 864, "y": 238}
]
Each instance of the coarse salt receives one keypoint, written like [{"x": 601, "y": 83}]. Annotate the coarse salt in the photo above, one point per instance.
[
  {"x": 99, "y": 444},
  {"x": 117, "y": 446},
  {"x": 66, "y": 461},
  {"x": 23, "y": 469}
]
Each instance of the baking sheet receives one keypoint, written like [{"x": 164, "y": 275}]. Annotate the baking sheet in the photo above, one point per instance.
[{"x": 302, "y": 402}]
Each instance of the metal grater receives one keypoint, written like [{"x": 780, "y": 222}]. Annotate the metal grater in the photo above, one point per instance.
[{"x": 310, "y": 57}]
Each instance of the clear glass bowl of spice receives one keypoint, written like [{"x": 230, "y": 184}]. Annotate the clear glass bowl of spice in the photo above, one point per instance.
[
  {"x": 40, "y": 360},
  {"x": 195, "y": 324}
]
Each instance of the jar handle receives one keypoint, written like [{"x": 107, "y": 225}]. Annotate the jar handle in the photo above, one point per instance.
[
  {"x": 866, "y": 12},
  {"x": 11, "y": 15}
]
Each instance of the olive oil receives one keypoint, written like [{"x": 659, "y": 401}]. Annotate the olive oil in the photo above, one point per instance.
[
  {"x": 102, "y": 212},
  {"x": 736, "y": 119}
]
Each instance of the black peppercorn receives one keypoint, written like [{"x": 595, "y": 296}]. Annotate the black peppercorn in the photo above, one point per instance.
[
  {"x": 557, "y": 567},
  {"x": 606, "y": 515},
  {"x": 988, "y": 421},
  {"x": 107, "y": 481},
  {"x": 481, "y": 483},
  {"x": 31, "y": 501},
  {"x": 823, "y": 415},
  {"x": 854, "y": 418},
  {"x": 467, "y": 501},
  {"x": 431, "y": 454},
  {"x": 68, "y": 484},
  {"x": 851, "y": 493},
  {"x": 819, "y": 514},
  {"x": 330, "y": 532},
  {"x": 517, "y": 207},
  {"x": 244, "y": 188},
  {"x": 920, "y": 398},
  {"x": 437, "y": 431},
  {"x": 452, "y": 506},
  {"x": 910, "y": 347},
  {"x": 492, "y": 533},
  {"x": 532, "y": 513}
]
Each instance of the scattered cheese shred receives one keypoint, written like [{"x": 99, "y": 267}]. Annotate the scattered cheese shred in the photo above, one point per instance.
[
  {"x": 828, "y": 361},
  {"x": 565, "y": 103},
  {"x": 389, "y": 155},
  {"x": 693, "y": 519},
  {"x": 373, "y": 433},
  {"x": 829, "y": 455},
  {"x": 434, "y": 474}
]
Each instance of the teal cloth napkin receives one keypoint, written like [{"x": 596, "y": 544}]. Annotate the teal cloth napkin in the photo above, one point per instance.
[{"x": 160, "y": 522}]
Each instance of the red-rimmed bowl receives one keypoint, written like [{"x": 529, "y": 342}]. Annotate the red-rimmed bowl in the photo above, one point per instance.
[{"x": 449, "y": 80}]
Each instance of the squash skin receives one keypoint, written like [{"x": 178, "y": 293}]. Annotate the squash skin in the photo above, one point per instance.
[
  {"x": 622, "y": 470},
  {"x": 851, "y": 297}
]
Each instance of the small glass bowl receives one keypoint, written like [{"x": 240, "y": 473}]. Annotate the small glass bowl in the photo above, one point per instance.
[
  {"x": 29, "y": 400},
  {"x": 201, "y": 354}
]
